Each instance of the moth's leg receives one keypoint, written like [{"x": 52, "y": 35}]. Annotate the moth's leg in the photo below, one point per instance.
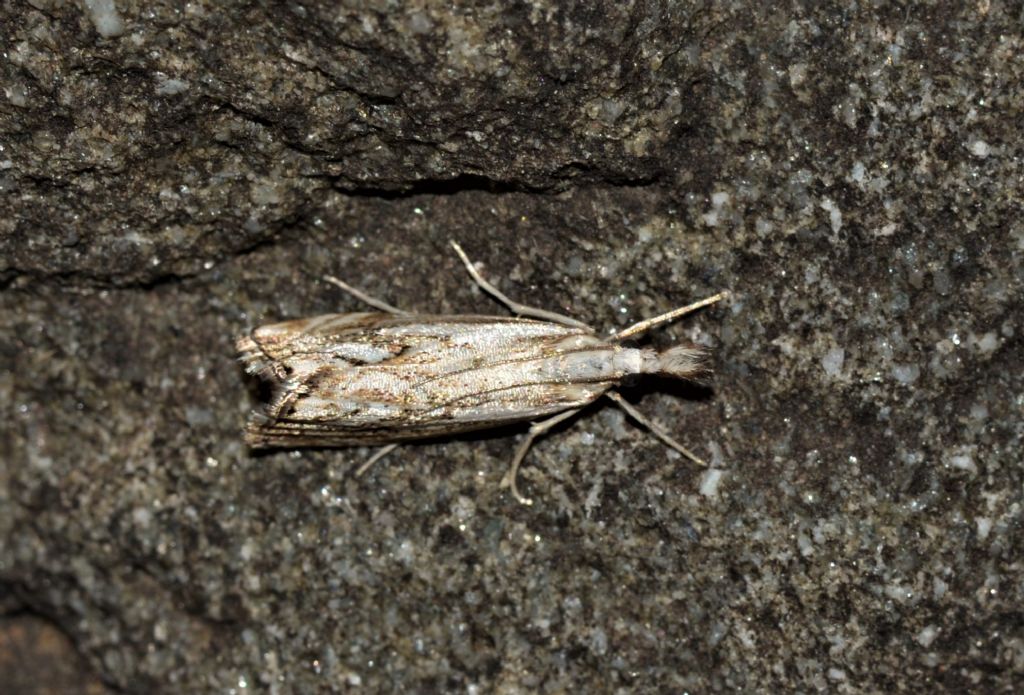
[
  {"x": 380, "y": 453},
  {"x": 650, "y": 323},
  {"x": 515, "y": 307},
  {"x": 363, "y": 297},
  {"x": 654, "y": 428},
  {"x": 536, "y": 429}
]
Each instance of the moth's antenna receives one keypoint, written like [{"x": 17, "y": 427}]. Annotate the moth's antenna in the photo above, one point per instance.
[
  {"x": 668, "y": 316},
  {"x": 363, "y": 297}
]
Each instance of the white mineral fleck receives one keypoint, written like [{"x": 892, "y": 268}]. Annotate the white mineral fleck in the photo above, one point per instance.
[
  {"x": 980, "y": 148},
  {"x": 984, "y": 525},
  {"x": 906, "y": 373},
  {"x": 927, "y": 635},
  {"x": 835, "y": 215},
  {"x": 832, "y": 362},
  {"x": 710, "y": 481},
  {"x": 105, "y": 18}
]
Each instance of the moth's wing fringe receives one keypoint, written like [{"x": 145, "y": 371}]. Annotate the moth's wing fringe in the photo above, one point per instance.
[{"x": 265, "y": 432}]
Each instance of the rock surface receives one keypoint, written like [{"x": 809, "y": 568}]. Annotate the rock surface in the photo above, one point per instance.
[{"x": 174, "y": 174}]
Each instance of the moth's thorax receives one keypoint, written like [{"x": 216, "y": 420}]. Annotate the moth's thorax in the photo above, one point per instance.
[{"x": 597, "y": 362}]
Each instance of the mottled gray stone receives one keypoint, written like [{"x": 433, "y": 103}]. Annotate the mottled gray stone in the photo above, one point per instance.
[{"x": 178, "y": 173}]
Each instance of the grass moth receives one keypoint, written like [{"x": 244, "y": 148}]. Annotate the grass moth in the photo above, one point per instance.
[{"x": 391, "y": 376}]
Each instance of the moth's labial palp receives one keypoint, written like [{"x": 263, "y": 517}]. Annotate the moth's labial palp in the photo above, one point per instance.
[{"x": 681, "y": 362}]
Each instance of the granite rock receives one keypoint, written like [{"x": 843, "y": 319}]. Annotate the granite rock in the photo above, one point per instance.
[{"x": 173, "y": 175}]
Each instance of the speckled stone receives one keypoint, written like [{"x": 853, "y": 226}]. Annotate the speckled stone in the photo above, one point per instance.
[{"x": 173, "y": 174}]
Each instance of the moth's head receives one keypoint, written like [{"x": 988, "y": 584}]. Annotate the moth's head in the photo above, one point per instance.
[{"x": 681, "y": 362}]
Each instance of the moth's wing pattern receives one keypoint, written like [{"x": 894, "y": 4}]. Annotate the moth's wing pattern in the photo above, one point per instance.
[{"x": 372, "y": 378}]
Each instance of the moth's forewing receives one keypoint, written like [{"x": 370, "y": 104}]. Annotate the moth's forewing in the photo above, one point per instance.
[{"x": 373, "y": 378}]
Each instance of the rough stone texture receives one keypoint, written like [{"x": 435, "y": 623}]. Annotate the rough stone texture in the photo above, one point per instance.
[
  {"x": 36, "y": 658},
  {"x": 173, "y": 174}
]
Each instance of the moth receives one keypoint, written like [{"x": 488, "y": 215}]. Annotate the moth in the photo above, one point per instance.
[{"x": 391, "y": 376}]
